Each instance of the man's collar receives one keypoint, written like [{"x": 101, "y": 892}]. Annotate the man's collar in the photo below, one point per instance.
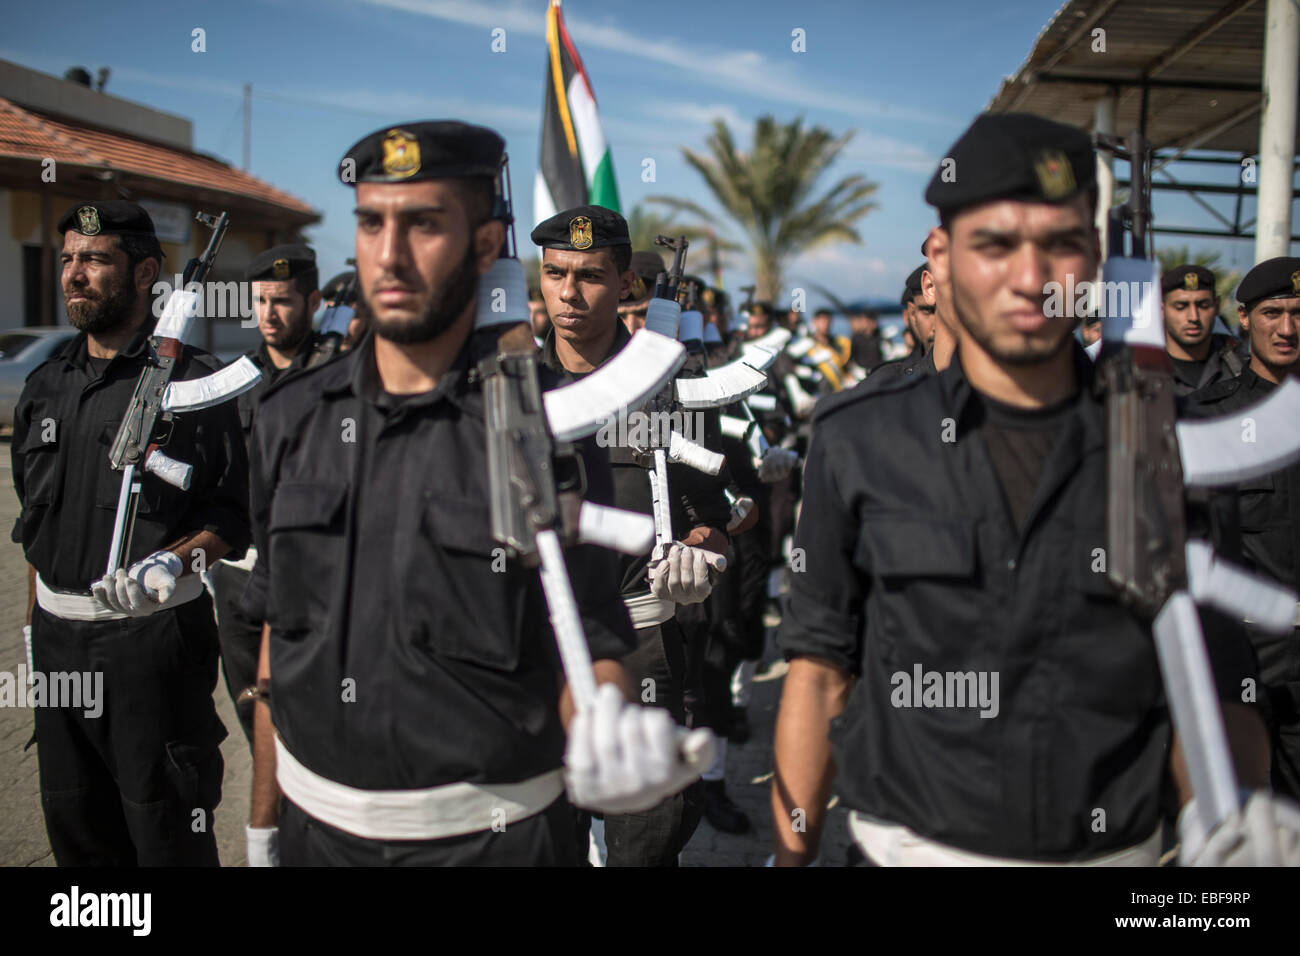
[
  {"x": 552, "y": 360},
  {"x": 958, "y": 389},
  {"x": 79, "y": 354},
  {"x": 299, "y": 358},
  {"x": 358, "y": 375}
]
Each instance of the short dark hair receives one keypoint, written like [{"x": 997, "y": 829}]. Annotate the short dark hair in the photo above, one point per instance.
[
  {"x": 307, "y": 282},
  {"x": 622, "y": 256},
  {"x": 478, "y": 193},
  {"x": 139, "y": 248},
  {"x": 820, "y": 312}
]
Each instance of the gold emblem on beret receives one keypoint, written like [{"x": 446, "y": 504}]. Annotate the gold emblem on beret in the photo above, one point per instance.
[
  {"x": 638, "y": 287},
  {"x": 401, "y": 154},
  {"x": 280, "y": 268},
  {"x": 580, "y": 233},
  {"x": 1295, "y": 282},
  {"x": 1189, "y": 282},
  {"x": 1055, "y": 177},
  {"x": 708, "y": 298},
  {"x": 88, "y": 218}
]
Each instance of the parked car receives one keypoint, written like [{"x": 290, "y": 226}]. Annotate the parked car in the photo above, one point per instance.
[{"x": 21, "y": 350}]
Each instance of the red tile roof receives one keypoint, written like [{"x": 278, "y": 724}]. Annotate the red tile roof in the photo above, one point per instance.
[{"x": 28, "y": 135}]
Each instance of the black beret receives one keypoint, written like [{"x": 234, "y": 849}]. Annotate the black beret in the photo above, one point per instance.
[
  {"x": 1277, "y": 278},
  {"x": 714, "y": 298},
  {"x": 108, "y": 217},
  {"x": 582, "y": 228},
  {"x": 337, "y": 286},
  {"x": 432, "y": 149},
  {"x": 281, "y": 262},
  {"x": 647, "y": 266},
  {"x": 1013, "y": 156},
  {"x": 1187, "y": 278}
]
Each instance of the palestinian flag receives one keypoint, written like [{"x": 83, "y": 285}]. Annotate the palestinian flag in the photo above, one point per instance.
[{"x": 576, "y": 167}]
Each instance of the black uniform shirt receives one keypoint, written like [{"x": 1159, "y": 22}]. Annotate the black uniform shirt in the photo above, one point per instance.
[
  {"x": 64, "y": 428},
  {"x": 1268, "y": 505},
  {"x": 1225, "y": 360},
  {"x": 696, "y": 499},
  {"x": 913, "y": 562},
  {"x": 1268, "y": 514},
  {"x": 315, "y": 349},
  {"x": 406, "y": 651}
]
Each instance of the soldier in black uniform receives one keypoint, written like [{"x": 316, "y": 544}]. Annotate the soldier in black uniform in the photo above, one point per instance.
[
  {"x": 403, "y": 652},
  {"x": 285, "y": 294},
  {"x": 987, "y": 696},
  {"x": 919, "y": 316},
  {"x": 645, "y": 267},
  {"x": 1269, "y": 507},
  {"x": 586, "y": 257},
  {"x": 137, "y": 784},
  {"x": 1200, "y": 355}
]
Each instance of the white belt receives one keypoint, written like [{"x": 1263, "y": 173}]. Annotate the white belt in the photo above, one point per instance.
[
  {"x": 431, "y": 814},
  {"x": 1295, "y": 620},
  {"x": 889, "y": 844},
  {"x": 83, "y": 607},
  {"x": 647, "y": 610},
  {"x": 244, "y": 564}
]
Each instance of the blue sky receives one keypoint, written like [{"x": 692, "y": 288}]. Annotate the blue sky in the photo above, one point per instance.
[{"x": 908, "y": 77}]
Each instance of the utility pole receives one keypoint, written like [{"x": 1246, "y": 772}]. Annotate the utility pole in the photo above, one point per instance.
[{"x": 248, "y": 122}]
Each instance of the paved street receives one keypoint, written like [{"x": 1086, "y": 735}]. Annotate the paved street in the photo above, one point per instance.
[{"x": 22, "y": 829}]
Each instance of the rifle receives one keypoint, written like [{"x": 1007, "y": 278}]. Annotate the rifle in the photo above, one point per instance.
[
  {"x": 1152, "y": 460},
  {"x": 147, "y": 424},
  {"x": 535, "y": 475},
  {"x": 336, "y": 318}
]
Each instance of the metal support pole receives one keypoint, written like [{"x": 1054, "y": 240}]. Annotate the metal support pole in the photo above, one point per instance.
[
  {"x": 1277, "y": 128},
  {"x": 248, "y": 122}
]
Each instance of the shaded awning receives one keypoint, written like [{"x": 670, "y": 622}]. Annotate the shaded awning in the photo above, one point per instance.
[{"x": 1193, "y": 66}]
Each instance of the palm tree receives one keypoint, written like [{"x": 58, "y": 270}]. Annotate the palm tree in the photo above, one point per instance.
[
  {"x": 768, "y": 193},
  {"x": 707, "y": 252}
]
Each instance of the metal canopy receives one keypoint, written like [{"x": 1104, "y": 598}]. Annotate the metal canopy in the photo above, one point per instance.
[
  {"x": 1185, "y": 72},
  {"x": 1196, "y": 63}
]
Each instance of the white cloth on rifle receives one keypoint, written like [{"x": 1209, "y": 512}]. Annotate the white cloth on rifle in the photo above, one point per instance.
[{"x": 246, "y": 563}]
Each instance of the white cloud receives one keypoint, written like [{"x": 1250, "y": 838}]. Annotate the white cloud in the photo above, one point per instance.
[{"x": 746, "y": 71}]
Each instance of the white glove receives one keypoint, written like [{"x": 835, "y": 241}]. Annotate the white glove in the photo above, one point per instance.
[
  {"x": 1265, "y": 832},
  {"x": 624, "y": 758},
  {"x": 739, "y": 512},
  {"x": 142, "y": 588},
  {"x": 777, "y": 463},
  {"x": 682, "y": 575},
  {"x": 27, "y": 641},
  {"x": 263, "y": 845}
]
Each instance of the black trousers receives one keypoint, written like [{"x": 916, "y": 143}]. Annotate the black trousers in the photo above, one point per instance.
[
  {"x": 241, "y": 638},
  {"x": 656, "y": 836},
  {"x": 544, "y": 839},
  {"x": 714, "y": 650},
  {"x": 138, "y": 784},
  {"x": 1278, "y": 657}
]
